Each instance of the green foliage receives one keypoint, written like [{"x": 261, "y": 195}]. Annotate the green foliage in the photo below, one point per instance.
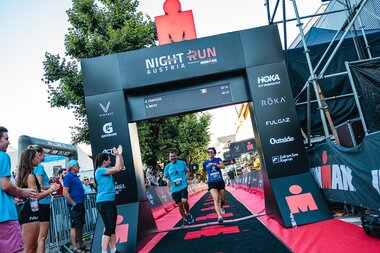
[
  {"x": 97, "y": 28},
  {"x": 187, "y": 135}
]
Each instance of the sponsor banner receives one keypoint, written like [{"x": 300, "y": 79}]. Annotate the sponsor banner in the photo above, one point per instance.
[
  {"x": 349, "y": 175},
  {"x": 241, "y": 147},
  {"x": 181, "y": 60}
]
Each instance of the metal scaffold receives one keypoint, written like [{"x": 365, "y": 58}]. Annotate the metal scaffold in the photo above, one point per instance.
[{"x": 355, "y": 18}]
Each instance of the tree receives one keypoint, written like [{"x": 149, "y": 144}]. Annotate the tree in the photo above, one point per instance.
[
  {"x": 105, "y": 27},
  {"x": 97, "y": 28},
  {"x": 187, "y": 135}
]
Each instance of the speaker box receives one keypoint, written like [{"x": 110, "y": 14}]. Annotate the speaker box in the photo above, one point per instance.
[{"x": 350, "y": 133}]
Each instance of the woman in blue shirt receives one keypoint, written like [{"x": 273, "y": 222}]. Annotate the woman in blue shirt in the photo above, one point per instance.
[
  {"x": 215, "y": 181},
  {"x": 105, "y": 198}
]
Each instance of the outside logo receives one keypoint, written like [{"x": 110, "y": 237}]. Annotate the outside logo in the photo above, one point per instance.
[
  {"x": 105, "y": 109},
  {"x": 108, "y": 130},
  {"x": 273, "y": 101},
  {"x": 277, "y": 121},
  {"x": 270, "y": 80},
  {"x": 275, "y": 141},
  {"x": 284, "y": 158}
]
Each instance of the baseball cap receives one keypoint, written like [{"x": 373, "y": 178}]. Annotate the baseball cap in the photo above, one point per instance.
[{"x": 71, "y": 163}]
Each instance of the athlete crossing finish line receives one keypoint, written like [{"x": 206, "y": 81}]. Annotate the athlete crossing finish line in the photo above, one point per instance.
[
  {"x": 175, "y": 174},
  {"x": 216, "y": 184}
]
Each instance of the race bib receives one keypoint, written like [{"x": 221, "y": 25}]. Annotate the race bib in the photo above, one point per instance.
[
  {"x": 215, "y": 176},
  {"x": 177, "y": 182}
]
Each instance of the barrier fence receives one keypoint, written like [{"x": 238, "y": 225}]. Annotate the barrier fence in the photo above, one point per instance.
[
  {"x": 160, "y": 200},
  {"x": 59, "y": 231}
]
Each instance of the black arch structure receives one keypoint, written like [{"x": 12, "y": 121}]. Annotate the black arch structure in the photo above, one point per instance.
[
  {"x": 50, "y": 147},
  {"x": 195, "y": 75}
]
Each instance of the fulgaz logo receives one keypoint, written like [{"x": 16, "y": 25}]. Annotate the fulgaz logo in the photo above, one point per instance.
[{"x": 277, "y": 121}]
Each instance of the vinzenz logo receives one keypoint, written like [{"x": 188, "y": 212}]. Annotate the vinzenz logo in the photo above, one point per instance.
[
  {"x": 273, "y": 101},
  {"x": 269, "y": 80},
  {"x": 277, "y": 121},
  {"x": 108, "y": 130},
  {"x": 333, "y": 176},
  {"x": 105, "y": 109},
  {"x": 275, "y": 141},
  {"x": 165, "y": 63}
]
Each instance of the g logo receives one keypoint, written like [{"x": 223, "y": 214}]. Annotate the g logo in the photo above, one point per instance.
[{"x": 107, "y": 128}]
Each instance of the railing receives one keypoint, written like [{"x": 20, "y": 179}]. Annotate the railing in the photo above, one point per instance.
[{"x": 59, "y": 231}]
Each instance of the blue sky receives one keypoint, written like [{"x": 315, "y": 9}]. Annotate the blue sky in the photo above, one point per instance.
[{"x": 30, "y": 28}]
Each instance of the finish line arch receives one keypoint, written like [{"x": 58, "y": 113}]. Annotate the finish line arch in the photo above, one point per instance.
[{"x": 244, "y": 66}]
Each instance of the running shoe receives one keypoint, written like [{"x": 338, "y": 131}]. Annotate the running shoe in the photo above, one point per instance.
[
  {"x": 184, "y": 222},
  {"x": 220, "y": 219},
  {"x": 189, "y": 218}
]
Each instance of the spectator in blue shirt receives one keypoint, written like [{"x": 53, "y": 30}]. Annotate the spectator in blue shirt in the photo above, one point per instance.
[
  {"x": 105, "y": 198},
  {"x": 74, "y": 194},
  {"x": 10, "y": 235}
]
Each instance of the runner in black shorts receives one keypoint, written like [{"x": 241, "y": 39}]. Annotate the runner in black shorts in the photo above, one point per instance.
[{"x": 215, "y": 181}]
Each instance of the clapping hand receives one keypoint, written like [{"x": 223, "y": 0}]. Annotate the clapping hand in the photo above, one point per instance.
[{"x": 117, "y": 151}]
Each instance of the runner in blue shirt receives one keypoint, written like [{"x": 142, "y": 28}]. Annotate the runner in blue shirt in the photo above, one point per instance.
[
  {"x": 105, "y": 197},
  {"x": 216, "y": 184},
  {"x": 175, "y": 174}
]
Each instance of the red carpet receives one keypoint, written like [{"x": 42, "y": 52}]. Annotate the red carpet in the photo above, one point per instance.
[{"x": 332, "y": 236}]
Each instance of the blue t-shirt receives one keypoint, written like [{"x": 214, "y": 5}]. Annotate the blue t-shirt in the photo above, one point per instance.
[
  {"x": 176, "y": 173},
  {"x": 105, "y": 186},
  {"x": 8, "y": 207},
  {"x": 39, "y": 170},
  {"x": 214, "y": 174},
  {"x": 76, "y": 190}
]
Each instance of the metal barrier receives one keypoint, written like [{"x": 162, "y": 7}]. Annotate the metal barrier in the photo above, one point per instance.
[{"x": 59, "y": 231}]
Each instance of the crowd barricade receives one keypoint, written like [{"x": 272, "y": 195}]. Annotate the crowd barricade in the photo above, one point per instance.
[
  {"x": 59, "y": 231},
  {"x": 251, "y": 182},
  {"x": 161, "y": 201}
]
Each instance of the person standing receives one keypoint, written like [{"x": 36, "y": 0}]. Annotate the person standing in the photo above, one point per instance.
[
  {"x": 28, "y": 209},
  {"x": 105, "y": 197},
  {"x": 86, "y": 185},
  {"x": 61, "y": 175},
  {"x": 175, "y": 174},
  {"x": 216, "y": 184},
  {"x": 10, "y": 237},
  {"x": 74, "y": 194},
  {"x": 44, "y": 204}
]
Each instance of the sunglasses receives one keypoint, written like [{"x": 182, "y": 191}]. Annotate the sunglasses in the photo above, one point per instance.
[
  {"x": 210, "y": 152},
  {"x": 85, "y": 179}
]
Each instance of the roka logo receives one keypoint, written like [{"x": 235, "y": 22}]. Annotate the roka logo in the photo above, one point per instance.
[{"x": 273, "y": 101}]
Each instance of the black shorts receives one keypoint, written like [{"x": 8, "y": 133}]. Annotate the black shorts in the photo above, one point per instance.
[
  {"x": 77, "y": 215},
  {"x": 44, "y": 214},
  {"x": 108, "y": 211},
  {"x": 179, "y": 195},
  {"x": 25, "y": 214},
  {"x": 217, "y": 185}
]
